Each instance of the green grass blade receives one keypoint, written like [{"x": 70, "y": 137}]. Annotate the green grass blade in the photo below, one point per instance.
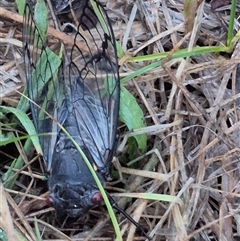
[
  {"x": 231, "y": 22},
  {"x": 26, "y": 122},
  {"x": 99, "y": 185}
]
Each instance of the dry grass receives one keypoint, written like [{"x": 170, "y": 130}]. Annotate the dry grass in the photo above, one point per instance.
[{"x": 192, "y": 112}]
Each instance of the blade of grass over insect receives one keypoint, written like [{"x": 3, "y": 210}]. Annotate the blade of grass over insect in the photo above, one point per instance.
[
  {"x": 109, "y": 207},
  {"x": 99, "y": 185}
]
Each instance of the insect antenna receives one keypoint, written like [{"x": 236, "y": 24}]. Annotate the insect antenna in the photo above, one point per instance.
[{"x": 116, "y": 207}]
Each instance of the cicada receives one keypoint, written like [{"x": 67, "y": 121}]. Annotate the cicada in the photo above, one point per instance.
[{"x": 77, "y": 89}]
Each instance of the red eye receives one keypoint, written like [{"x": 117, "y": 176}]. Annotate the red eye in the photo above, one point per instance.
[
  {"x": 49, "y": 201},
  {"x": 96, "y": 198}
]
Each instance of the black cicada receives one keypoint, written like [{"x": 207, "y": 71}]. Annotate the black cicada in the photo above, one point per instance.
[{"x": 80, "y": 91}]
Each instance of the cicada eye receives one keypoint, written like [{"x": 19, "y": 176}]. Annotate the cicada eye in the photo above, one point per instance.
[
  {"x": 49, "y": 201},
  {"x": 96, "y": 198}
]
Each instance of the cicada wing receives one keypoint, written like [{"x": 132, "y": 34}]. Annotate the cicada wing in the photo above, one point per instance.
[
  {"x": 95, "y": 92},
  {"x": 44, "y": 82}
]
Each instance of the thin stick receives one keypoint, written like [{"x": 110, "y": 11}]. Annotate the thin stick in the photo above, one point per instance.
[{"x": 60, "y": 35}]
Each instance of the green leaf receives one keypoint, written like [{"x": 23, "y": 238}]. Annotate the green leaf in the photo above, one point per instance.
[
  {"x": 132, "y": 147},
  {"x": 23, "y": 104},
  {"x": 40, "y": 18},
  {"x": 21, "y": 6},
  {"x": 26, "y": 122},
  {"x": 47, "y": 65},
  {"x": 131, "y": 114}
]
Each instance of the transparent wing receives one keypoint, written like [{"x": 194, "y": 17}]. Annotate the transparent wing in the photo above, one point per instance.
[
  {"x": 44, "y": 82},
  {"x": 86, "y": 88},
  {"x": 94, "y": 84}
]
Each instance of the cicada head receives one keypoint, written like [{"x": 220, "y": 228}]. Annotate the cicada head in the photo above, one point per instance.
[
  {"x": 73, "y": 200},
  {"x": 73, "y": 190}
]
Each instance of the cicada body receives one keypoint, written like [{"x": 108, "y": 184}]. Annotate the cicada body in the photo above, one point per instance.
[{"x": 79, "y": 90}]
